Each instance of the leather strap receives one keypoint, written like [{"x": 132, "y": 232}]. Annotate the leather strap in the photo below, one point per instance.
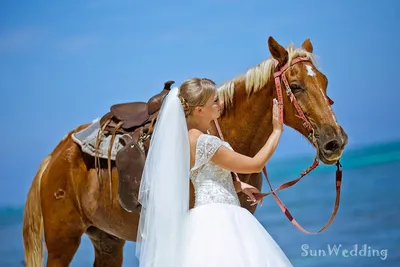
[
  {"x": 234, "y": 174},
  {"x": 290, "y": 216},
  {"x": 290, "y": 183}
]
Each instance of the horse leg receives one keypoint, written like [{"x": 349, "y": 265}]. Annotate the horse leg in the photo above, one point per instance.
[
  {"x": 108, "y": 248},
  {"x": 63, "y": 224},
  {"x": 62, "y": 232}
]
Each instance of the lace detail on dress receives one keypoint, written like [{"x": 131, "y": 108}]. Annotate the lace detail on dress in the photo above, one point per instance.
[
  {"x": 212, "y": 183},
  {"x": 206, "y": 146}
]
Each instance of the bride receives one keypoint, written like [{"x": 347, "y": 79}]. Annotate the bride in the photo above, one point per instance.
[{"x": 217, "y": 232}]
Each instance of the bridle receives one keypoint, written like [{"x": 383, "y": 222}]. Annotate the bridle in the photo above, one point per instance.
[{"x": 279, "y": 75}]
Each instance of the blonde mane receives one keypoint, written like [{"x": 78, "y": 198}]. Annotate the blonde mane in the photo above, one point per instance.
[{"x": 257, "y": 77}]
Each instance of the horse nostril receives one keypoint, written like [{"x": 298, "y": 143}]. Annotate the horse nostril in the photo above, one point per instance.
[{"x": 332, "y": 146}]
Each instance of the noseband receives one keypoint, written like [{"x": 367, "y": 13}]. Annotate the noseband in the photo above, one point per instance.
[{"x": 279, "y": 75}]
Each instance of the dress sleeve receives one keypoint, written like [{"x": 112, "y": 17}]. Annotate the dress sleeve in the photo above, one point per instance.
[{"x": 206, "y": 146}]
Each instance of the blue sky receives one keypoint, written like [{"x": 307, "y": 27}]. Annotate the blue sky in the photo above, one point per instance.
[{"x": 64, "y": 63}]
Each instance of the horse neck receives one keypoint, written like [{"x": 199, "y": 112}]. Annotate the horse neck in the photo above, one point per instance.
[{"x": 247, "y": 125}]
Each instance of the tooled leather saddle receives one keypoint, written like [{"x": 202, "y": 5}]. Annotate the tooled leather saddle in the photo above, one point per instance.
[{"x": 134, "y": 122}]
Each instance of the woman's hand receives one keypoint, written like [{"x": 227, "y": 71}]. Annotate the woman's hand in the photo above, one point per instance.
[{"x": 253, "y": 194}]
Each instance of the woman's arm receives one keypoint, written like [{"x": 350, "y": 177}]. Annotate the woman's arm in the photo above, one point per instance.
[{"x": 239, "y": 163}]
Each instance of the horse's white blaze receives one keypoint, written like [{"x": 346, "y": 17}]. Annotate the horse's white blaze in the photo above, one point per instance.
[
  {"x": 330, "y": 108},
  {"x": 310, "y": 71}
]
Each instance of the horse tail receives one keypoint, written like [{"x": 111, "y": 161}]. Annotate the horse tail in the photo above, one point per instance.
[{"x": 33, "y": 221}]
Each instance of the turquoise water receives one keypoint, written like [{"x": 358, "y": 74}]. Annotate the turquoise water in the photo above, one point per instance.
[{"x": 368, "y": 216}]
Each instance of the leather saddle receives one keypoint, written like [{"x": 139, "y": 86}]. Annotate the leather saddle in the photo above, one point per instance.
[{"x": 135, "y": 121}]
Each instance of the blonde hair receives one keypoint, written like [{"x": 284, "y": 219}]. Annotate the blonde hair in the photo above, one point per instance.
[
  {"x": 257, "y": 77},
  {"x": 195, "y": 92}
]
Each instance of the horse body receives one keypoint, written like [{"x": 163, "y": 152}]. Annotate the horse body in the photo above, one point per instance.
[{"x": 68, "y": 198}]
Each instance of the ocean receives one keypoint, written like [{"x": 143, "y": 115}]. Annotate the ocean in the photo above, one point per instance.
[{"x": 366, "y": 231}]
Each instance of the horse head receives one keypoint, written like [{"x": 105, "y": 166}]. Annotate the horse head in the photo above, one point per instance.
[{"x": 306, "y": 106}]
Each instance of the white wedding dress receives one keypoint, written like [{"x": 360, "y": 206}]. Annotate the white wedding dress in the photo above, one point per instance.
[{"x": 218, "y": 232}]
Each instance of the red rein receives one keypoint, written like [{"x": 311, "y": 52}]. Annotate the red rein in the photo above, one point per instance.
[{"x": 278, "y": 75}]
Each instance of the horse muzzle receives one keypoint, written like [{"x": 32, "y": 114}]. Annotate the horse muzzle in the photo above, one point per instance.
[{"x": 331, "y": 147}]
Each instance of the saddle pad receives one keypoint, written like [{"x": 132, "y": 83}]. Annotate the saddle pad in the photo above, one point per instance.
[{"x": 86, "y": 139}]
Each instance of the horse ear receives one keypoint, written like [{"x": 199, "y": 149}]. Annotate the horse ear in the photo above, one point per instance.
[
  {"x": 307, "y": 45},
  {"x": 277, "y": 51}
]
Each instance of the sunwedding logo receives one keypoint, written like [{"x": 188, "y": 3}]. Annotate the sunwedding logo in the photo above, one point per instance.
[{"x": 338, "y": 250}]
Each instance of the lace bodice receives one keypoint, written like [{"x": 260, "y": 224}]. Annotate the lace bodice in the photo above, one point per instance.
[{"x": 212, "y": 184}]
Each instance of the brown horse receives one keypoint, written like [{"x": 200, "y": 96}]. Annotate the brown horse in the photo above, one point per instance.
[{"x": 68, "y": 199}]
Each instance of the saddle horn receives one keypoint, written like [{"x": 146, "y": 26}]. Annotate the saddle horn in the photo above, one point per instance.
[
  {"x": 154, "y": 104},
  {"x": 167, "y": 85}
]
